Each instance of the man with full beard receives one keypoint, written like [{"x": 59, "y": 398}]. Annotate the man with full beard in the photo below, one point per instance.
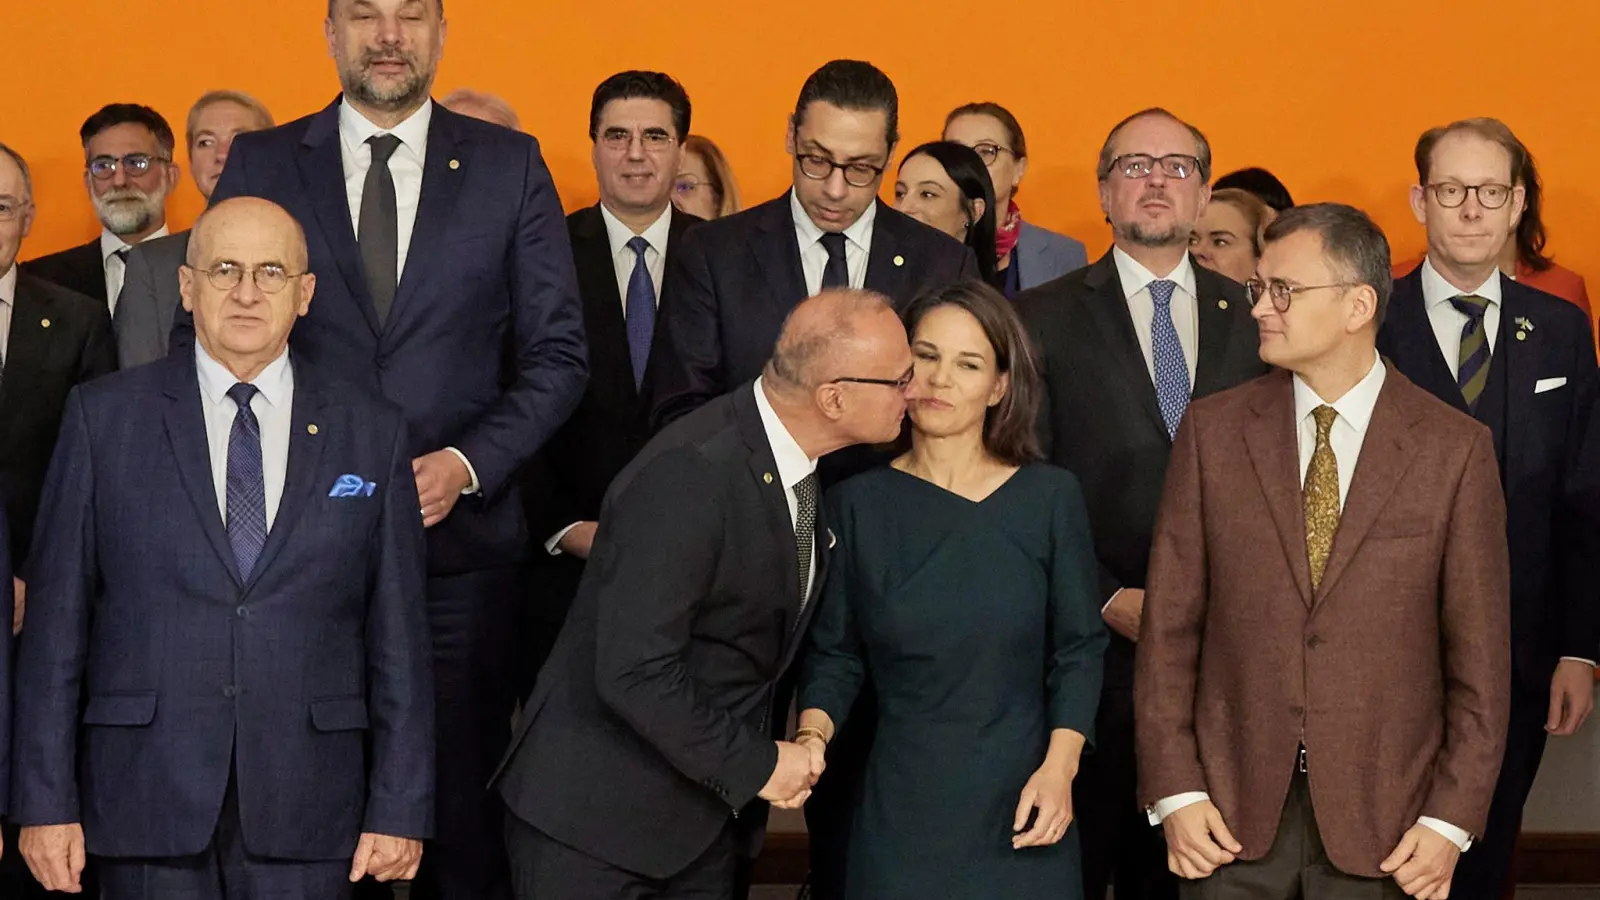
[
  {"x": 445, "y": 282},
  {"x": 128, "y": 169},
  {"x": 1123, "y": 345}
]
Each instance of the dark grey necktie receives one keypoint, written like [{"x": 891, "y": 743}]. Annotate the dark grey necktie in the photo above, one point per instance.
[
  {"x": 836, "y": 274},
  {"x": 805, "y": 530},
  {"x": 379, "y": 232}
]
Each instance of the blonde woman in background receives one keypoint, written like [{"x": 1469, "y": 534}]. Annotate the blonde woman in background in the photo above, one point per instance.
[
  {"x": 1227, "y": 239},
  {"x": 705, "y": 185}
]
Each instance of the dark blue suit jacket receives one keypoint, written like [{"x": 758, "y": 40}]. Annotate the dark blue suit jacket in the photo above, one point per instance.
[
  {"x": 484, "y": 347},
  {"x": 7, "y": 607},
  {"x": 312, "y": 679},
  {"x": 1538, "y": 437}
]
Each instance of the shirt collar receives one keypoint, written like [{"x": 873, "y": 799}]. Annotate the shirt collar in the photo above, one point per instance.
[
  {"x": 110, "y": 243},
  {"x": 793, "y": 464},
  {"x": 1435, "y": 290},
  {"x": 1355, "y": 407},
  {"x": 1135, "y": 277},
  {"x": 8, "y": 286},
  {"x": 354, "y": 128},
  {"x": 274, "y": 382},
  {"x": 859, "y": 232},
  {"x": 620, "y": 234}
]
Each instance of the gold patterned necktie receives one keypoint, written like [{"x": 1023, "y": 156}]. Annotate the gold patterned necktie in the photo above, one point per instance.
[{"x": 1321, "y": 496}]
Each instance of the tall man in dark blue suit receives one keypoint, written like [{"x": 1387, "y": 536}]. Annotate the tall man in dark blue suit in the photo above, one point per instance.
[
  {"x": 229, "y": 572},
  {"x": 447, "y": 286},
  {"x": 1521, "y": 362}
]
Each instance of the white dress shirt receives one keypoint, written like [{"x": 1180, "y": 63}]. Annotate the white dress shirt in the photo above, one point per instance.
[
  {"x": 1185, "y": 307},
  {"x": 115, "y": 268},
  {"x": 8, "y": 298},
  {"x": 655, "y": 255},
  {"x": 793, "y": 467},
  {"x": 405, "y": 166},
  {"x": 1447, "y": 321},
  {"x": 273, "y": 405},
  {"x": 1346, "y": 436},
  {"x": 814, "y": 256}
]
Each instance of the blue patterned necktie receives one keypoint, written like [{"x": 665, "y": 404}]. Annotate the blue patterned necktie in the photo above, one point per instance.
[
  {"x": 1472, "y": 373},
  {"x": 641, "y": 310},
  {"x": 1172, "y": 370},
  {"x": 247, "y": 492}
]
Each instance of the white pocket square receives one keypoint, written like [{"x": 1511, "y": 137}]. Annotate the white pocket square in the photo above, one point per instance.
[
  {"x": 1548, "y": 384},
  {"x": 831, "y": 539}
]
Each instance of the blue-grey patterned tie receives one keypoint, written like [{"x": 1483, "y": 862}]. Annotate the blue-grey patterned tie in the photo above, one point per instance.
[
  {"x": 1172, "y": 370},
  {"x": 247, "y": 492},
  {"x": 641, "y": 310}
]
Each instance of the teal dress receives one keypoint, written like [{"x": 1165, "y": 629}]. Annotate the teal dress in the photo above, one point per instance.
[{"x": 977, "y": 629}]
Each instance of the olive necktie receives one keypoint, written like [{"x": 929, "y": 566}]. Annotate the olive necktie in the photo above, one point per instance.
[
  {"x": 1472, "y": 372},
  {"x": 1321, "y": 496}
]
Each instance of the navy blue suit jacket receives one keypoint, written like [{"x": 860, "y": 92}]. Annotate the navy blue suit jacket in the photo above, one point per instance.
[
  {"x": 7, "y": 607},
  {"x": 1538, "y": 437},
  {"x": 484, "y": 347},
  {"x": 312, "y": 679}
]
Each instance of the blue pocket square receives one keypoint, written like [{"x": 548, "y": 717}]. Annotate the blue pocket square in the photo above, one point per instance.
[{"x": 352, "y": 486}]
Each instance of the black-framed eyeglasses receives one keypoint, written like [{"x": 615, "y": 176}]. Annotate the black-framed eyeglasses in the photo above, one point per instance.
[
  {"x": 1140, "y": 165},
  {"x": 899, "y": 384},
  {"x": 1282, "y": 292},
  {"x": 135, "y": 164},
  {"x": 856, "y": 174},
  {"x": 226, "y": 275},
  {"x": 654, "y": 139},
  {"x": 989, "y": 151},
  {"x": 1451, "y": 195}
]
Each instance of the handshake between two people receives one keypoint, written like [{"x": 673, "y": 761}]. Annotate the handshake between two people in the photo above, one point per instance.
[{"x": 800, "y": 764}]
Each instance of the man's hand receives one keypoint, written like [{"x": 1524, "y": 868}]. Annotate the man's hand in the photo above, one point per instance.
[
  {"x": 441, "y": 477},
  {"x": 1198, "y": 842},
  {"x": 20, "y": 592},
  {"x": 1571, "y": 697},
  {"x": 819, "y": 754},
  {"x": 1050, "y": 791},
  {"x": 54, "y": 854},
  {"x": 1423, "y": 863},
  {"x": 791, "y": 781},
  {"x": 386, "y": 858},
  {"x": 578, "y": 540},
  {"x": 1125, "y": 612}
]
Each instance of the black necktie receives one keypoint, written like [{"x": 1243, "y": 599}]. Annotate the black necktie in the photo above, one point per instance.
[
  {"x": 805, "y": 529},
  {"x": 836, "y": 274},
  {"x": 379, "y": 232}
]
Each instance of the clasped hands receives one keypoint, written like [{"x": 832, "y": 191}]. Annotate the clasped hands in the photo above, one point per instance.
[{"x": 800, "y": 764}]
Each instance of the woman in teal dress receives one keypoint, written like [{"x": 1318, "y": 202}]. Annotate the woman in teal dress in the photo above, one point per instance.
[{"x": 964, "y": 585}]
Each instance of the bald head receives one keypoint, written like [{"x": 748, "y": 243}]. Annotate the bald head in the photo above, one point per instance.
[
  {"x": 827, "y": 334},
  {"x": 250, "y": 219}
]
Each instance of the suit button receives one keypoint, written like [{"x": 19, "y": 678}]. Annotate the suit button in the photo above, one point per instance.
[
  {"x": 1313, "y": 642},
  {"x": 230, "y": 692},
  {"x": 240, "y": 611}
]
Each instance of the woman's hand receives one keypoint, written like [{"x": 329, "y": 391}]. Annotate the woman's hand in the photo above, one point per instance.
[{"x": 1050, "y": 792}]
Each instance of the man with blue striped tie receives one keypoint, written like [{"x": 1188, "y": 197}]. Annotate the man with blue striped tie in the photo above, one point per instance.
[{"x": 229, "y": 571}]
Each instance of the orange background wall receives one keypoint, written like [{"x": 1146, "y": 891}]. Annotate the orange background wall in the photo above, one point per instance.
[{"x": 1330, "y": 95}]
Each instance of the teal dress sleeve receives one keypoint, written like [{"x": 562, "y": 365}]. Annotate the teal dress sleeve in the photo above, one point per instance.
[{"x": 1077, "y": 633}]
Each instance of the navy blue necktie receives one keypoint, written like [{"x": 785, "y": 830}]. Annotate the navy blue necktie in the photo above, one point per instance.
[
  {"x": 836, "y": 274},
  {"x": 641, "y": 309},
  {"x": 247, "y": 491},
  {"x": 1172, "y": 370}
]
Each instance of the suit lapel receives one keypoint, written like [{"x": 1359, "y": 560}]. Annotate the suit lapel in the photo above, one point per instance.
[
  {"x": 777, "y": 251},
  {"x": 1410, "y": 342},
  {"x": 1519, "y": 374},
  {"x": 1217, "y": 318},
  {"x": 1273, "y": 447},
  {"x": 441, "y": 187},
  {"x": 186, "y": 431},
  {"x": 610, "y": 365},
  {"x": 820, "y": 544},
  {"x": 886, "y": 264},
  {"x": 26, "y": 349},
  {"x": 305, "y": 452},
  {"x": 1108, "y": 310},
  {"x": 322, "y": 176},
  {"x": 1385, "y": 456}
]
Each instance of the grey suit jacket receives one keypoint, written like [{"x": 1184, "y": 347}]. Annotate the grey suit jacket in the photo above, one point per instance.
[
  {"x": 149, "y": 299},
  {"x": 1041, "y": 256}
]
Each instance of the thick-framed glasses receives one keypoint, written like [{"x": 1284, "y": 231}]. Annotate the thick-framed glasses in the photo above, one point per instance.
[
  {"x": 11, "y": 208},
  {"x": 1451, "y": 195},
  {"x": 134, "y": 164},
  {"x": 820, "y": 168},
  {"x": 1140, "y": 165},
  {"x": 899, "y": 384},
  {"x": 989, "y": 151},
  {"x": 1282, "y": 292},
  {"x": 619, "y": 139},
  {"x": 269, "y": 278}
]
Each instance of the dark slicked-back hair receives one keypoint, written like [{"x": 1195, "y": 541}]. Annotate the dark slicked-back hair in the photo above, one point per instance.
[
  {"x": 115, "y": 114},
  {"x": 1351, "y": 240},
  {"x": 639, "y": 85},
  {"x": 853, "y": 85},
  {"x": 1260, "y": 182}
]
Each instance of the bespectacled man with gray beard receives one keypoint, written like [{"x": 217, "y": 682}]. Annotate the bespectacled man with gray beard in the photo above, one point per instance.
[{"x": 128, "y": 169}]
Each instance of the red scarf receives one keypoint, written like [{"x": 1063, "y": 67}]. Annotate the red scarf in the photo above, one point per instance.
[{"x": 1006, "y": 232}]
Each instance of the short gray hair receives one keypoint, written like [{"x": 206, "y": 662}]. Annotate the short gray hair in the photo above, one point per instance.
[
  {"x": 806, "y": 358},
  {"x": 27, "y": 176},
  {"x": 1350, "y": 239},
  {"x": 486, "y": 100}
]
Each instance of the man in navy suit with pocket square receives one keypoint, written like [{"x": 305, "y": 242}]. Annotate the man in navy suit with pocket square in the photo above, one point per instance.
[
  {"x": 448, "y": 287},
  {"x": 244, "y": 623}
]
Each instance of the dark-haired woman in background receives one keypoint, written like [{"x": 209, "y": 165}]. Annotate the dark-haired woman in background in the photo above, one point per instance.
[
  {"x": 946, "y": 185},
  {"x": 963, "y": 582},
  {"x": 1027, "y": 254}
]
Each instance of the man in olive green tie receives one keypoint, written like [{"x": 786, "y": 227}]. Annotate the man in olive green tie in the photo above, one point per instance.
[{"x": 1321, "y": 683}]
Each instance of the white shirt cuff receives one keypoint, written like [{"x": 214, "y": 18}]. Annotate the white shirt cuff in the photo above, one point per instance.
[
  {"x": 1588, "y": 662},
  {"x": 553, "y": 546},
  {"x": 1170, "y": 805},
  {"x": 1449, "y": 832},
  {"x": 472, "y": 473},
  {"x": 1113, "y": 599}
]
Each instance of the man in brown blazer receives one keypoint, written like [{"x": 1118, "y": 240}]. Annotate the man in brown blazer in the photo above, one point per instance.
[{"x": 1323, "y": 668}]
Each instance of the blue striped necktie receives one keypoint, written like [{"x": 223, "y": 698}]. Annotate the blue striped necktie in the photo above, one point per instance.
[
  {"x": 247, "y": 493},
  {"x": 1472, "y": 372},
  {"x": 1172, "y": 370}
]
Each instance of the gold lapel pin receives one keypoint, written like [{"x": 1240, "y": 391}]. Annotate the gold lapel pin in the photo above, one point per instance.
[
  {"x": 455, "y": 163},
  {"x": 767, "y": 478},
  {"x": 44, "y": 323},
  {"x": 311, "y": 429},
  {"x": 1222, "y": 304},
  {"x": 899, "y": 260},
  {"x": 1522, "y": 335}
]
